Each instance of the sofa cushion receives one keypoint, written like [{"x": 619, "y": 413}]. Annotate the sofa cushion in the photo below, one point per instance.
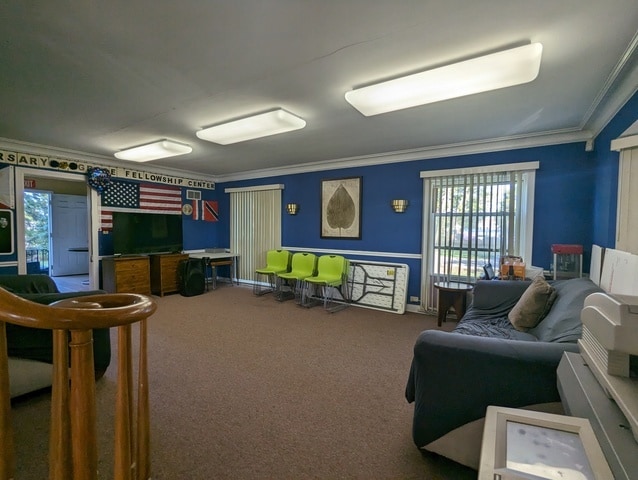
[
  {"x": 34, "y": 283},
  {"x": 28, "y": 376},
  {"x": 562, "y": 323},
  {"x": 533, "y": 305}
]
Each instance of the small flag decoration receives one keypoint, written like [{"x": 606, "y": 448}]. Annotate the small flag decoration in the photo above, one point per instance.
[{"x": 210, "y": 211}]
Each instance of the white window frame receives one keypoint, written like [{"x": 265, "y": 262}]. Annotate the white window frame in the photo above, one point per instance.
[{"x": 527, "y": 213}]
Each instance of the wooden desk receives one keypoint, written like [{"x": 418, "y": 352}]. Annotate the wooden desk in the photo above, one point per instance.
[
  {"x": 452, "y": 294},
  {"x": 218, "y": 259}
]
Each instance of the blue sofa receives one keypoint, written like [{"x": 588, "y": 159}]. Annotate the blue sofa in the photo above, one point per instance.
[{"x": 485, "y": 361}]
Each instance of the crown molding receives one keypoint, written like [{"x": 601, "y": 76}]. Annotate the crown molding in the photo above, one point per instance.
[
  {"x": 440, "y": 151},
  {"x": 98, "y": 160},
  {"x": 615, "y": 93}
]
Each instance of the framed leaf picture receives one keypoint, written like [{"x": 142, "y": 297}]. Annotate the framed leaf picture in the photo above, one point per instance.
[{"x": 341, "y": 208}]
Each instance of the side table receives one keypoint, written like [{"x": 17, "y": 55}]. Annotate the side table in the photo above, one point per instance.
[{"x": 452, "y": 294}]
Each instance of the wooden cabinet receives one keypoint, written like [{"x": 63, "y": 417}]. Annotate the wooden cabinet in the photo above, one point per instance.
[
  {"x": 164, "y": 272},
  {"x": 126, "y": 275}
]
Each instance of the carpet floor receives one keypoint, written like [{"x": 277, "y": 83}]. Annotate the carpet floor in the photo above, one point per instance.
[{"x": 245, "y": 387}]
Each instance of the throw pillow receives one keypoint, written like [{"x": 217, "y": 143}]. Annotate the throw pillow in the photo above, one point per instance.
[{"x": 533, "y": 305}]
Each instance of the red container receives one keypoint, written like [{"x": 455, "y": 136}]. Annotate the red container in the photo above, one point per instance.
[{"x": 564, "y": 249}]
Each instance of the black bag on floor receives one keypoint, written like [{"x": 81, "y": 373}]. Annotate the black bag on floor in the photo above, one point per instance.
[{"x": 192, "y": 280}]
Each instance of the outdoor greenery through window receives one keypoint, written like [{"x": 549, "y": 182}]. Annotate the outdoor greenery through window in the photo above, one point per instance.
[
  {"x": 475, "y": 221},
  {"x": 36, "y": 231}
]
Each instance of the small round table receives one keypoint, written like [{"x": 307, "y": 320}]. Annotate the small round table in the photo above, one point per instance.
[{"x": 452, "y": 294}]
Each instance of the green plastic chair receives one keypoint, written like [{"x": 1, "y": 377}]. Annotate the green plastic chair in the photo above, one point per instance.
[
  {"x": 303, "y": 265},
  {"x": 277, "y": 261},
  {"x": 332, "y": 274}
]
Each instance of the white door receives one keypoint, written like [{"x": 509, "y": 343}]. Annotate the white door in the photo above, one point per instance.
[{"x": 69, "y": 235}]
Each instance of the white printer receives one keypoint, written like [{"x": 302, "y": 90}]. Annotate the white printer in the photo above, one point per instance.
[{"x": 609, "y": 345}]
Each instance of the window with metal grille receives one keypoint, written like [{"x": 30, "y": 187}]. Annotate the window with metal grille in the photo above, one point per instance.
[{"x": 473, "y": 217}]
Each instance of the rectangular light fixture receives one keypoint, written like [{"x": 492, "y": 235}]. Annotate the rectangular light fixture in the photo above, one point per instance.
[
  {"x": 261, "y": 125},
  {"x": 490, "y": 72},
  {"x": 153, "y": 151}
]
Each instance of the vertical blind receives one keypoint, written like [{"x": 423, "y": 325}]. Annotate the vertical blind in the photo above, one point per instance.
[
  {"x": 255, "y": 226},
  {"x": 473, "y": 219}
]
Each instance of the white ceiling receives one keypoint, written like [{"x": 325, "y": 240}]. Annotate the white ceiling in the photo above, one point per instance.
[{"x": 98, "y": 77}]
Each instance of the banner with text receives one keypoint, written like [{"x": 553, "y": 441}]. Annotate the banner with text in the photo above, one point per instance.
[{"x": 74, "y": 166}]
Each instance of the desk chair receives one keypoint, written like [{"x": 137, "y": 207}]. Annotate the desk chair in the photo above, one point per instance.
[
  {"x": 303, "y": 266},
  {"x": 332, "y": 274},
  {"x": 277, "y": 261}
]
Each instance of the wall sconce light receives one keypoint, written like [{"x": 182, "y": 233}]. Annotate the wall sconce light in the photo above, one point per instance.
[
  {"x": 399, "y": 206},
  {"x": 292, "y": 208}
]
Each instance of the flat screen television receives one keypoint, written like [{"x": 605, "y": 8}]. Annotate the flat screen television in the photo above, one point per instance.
[{"x": 143, "y": 233}]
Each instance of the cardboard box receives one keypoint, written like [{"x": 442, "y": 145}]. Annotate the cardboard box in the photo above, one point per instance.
[{"x": 517, "y": 268}]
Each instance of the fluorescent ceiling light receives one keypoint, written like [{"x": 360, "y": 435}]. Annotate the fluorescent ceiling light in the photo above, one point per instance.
[
  {"x": 262, "y": 125},
  {"x": 491, "y": 72},
  {"x": 153, "y": 151}
]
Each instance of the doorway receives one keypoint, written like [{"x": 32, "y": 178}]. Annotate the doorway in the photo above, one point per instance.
[
  {"x": 76, "y": 220},
  {"x": 69, "y": 235}
]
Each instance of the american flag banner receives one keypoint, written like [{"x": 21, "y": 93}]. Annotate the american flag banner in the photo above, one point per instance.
[
  {"x": 210, "y": 211},
  {"x": 142, "y": 197}
]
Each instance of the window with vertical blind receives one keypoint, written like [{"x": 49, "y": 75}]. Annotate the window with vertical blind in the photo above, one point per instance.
[
  {"x": 255, "y": 225},
  {"x": 473, "y": 217}
]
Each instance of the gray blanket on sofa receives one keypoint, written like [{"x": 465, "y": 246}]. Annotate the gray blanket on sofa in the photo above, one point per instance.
[{"x": 493, "y": 300}]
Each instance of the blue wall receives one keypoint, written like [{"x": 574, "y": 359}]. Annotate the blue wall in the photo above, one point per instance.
[
  {"x": 575, "y": 202},
  {"x": 562, "y": 211},
  {"x": 606, "y": 187}
]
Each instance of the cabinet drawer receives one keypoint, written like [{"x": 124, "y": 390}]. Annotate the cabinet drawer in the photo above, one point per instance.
[
  {"x": 164, "y": 273},
  {"x": 170, "y": 277},
  {"x": 126, "y": 275},
  {"x": 133, "y": 284},
  {"x": 172, "y": 262},
  {"x": 131, "y": 265}
]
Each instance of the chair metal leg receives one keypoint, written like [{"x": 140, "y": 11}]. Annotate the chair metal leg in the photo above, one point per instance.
[
  {"x": 307, "y": 295},
  {"x": 259, "y": 289},
  {"x": 281, "y": 293},
  {"x": 336, "y": 306}
]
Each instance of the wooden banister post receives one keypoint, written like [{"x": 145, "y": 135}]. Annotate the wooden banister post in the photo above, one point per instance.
[
  {"x": 73, "y": 438},
  {"x": 7, "y": 452},
  {"x": 123, "y": 412},
  {"x": 143, "y": 414},
  {"x": 60, "y": 464},
  {"x": 83, "y": 409}
]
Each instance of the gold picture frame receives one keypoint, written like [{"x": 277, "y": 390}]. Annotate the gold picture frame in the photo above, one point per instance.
[{"x": 341, "y": 208}]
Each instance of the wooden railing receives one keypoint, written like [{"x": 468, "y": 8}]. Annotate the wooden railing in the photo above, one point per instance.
[{"x": 73, "y": 439}]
